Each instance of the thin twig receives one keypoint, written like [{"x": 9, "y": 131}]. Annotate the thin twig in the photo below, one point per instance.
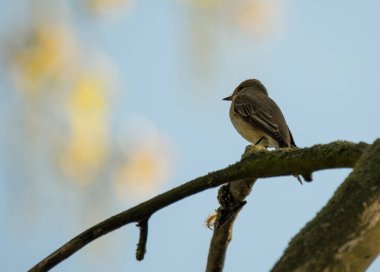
[
  {"x": 259, "y": 165},
  {"x": 141, "y": 246}
]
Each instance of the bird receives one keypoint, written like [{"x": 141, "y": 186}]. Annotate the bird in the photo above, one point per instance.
[{"x": 257, "y": 118}]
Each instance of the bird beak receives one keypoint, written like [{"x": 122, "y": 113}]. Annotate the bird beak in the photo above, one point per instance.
[{"x": 228, "y": 98}]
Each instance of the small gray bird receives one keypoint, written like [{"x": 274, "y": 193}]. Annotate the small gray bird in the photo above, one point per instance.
[{"x": 258, "y": 118}]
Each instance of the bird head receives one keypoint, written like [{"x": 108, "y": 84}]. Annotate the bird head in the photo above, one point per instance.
[{"x": 253, "y": 84}]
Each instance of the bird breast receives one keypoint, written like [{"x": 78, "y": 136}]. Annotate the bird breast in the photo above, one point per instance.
[{"x": 249, "y": 132}]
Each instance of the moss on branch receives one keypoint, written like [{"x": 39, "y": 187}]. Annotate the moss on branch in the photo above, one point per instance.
[{"x": 345, "y": 234}]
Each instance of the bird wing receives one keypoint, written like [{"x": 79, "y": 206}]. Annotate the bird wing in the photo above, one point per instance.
[{"x": 258, "y": 116}]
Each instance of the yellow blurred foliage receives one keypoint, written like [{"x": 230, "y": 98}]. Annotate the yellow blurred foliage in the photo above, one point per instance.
[
  {"x": 147, "y": 164},
  {"x": 51, "y": 59},
  {"x": 88, "y": 95},
  {"x": 87, "y": 147},
  {"x": 43, "y": 59},
  {"x": 106, "y": 6},
  {"x": 259, "y": 18},
  {"x": 141, "y": 167},
  {"x": 204, "y": 3}
]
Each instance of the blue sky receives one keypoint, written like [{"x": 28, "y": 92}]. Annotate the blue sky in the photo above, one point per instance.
[{"x": 175, "y": 63}]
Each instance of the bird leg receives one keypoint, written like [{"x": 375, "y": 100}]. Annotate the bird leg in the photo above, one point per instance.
[{"x": 262, "y": 138}]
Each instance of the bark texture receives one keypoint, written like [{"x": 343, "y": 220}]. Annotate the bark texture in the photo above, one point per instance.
[{"x": 345, "y": 234}]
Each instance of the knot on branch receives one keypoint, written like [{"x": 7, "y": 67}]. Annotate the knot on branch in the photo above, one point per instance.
[
  {"x": 229, "y": 206},
  {"x": 308, "y": 177}
]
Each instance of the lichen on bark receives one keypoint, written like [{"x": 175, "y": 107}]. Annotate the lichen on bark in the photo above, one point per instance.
[{"x": 345, "y": 234}]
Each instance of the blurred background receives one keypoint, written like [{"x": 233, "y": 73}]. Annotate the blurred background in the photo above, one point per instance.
[{"x": 107, "y": 103}]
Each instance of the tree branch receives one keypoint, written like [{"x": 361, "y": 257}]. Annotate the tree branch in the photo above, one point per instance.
[
  {"x": 231, "y": 199},
  {"x": 345, "y": 234},
  {"x": 141, "y": 246},
  {"x": 258, "y": 165}
]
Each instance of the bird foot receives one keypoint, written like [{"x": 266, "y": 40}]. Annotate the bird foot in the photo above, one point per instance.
[{"x": 252, "y": 149}]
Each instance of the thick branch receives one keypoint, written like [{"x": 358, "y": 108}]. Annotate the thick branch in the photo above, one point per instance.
[
  {"x": 231, "y": 198},
  {"x": 263, "y": 164},
  {"x": 345, "y": 235}
]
